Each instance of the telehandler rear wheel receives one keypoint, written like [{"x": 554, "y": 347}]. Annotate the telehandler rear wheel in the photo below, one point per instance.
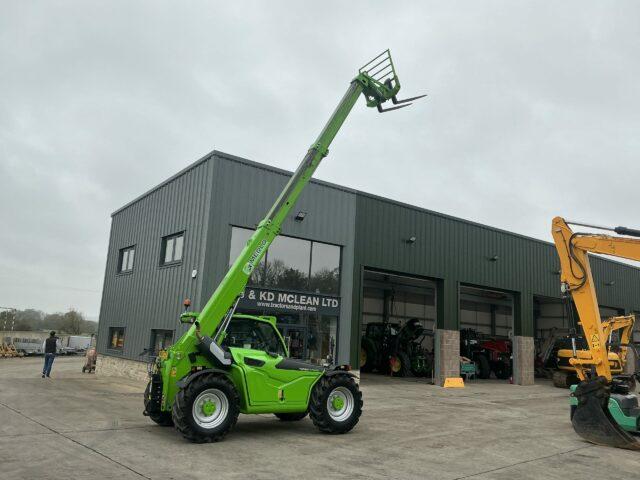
[
  {"x": 206, "y": 409},
  {"x": 336, "y": 404},
  {"x": 291, "y": 417},
  {"x": 161, "y": 418}
]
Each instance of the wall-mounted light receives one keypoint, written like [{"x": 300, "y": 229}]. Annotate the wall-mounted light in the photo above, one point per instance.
[
  {"x": 495, "y": 258},
  {"x": 556, "y": 272},
  {"x": 300, "y": 216},
  {"x": 411, "y": 239},
  {"x": 610, "y": 283}
]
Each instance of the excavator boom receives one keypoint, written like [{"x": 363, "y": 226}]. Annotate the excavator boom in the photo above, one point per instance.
[{"x": 603, "y": 406}]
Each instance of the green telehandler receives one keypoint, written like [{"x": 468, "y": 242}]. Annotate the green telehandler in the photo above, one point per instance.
[{"x": 227, "y": 363}]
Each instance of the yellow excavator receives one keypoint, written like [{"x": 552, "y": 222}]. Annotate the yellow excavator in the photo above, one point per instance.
[
  {"x": 567, "y": 374},
  {"x": 603, "y": 410}
]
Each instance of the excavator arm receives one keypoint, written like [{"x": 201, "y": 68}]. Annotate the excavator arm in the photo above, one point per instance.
[{"x": 592, "y": 418}]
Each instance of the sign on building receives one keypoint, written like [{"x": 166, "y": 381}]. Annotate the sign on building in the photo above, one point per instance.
[{"x": 294, "y": 302}]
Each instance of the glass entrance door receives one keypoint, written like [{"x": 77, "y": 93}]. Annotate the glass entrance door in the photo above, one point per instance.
[{"x": 296, "y": 337}]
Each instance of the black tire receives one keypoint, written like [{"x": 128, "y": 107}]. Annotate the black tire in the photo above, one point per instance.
[
  {"x": 405, "y": 365},
  {"x": 632, "y": 384},
  {"x": 363, "y": 358},
  {"x": 182, "y": 411},
  {"x": 162, "y": 418},
  {"x": 502, "y": 370},
  {"x": 484, "y": 368},
  {"x": 291, "y": 417},
  {"x": 319, "y": 410},
  {"x": 371, "y": 355},
  {"x": 559, "y": 379}
]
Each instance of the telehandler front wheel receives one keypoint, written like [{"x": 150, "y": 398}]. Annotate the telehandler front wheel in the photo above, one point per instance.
[
  {"x": 336, "y": 404},
  {"x": 206, "y": 409}
]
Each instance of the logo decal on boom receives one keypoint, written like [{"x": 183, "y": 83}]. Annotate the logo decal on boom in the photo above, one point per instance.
[{"x": 249, "y": 266}]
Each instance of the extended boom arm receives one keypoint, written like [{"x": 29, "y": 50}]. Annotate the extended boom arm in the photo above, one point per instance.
[{"x": 378, "y": 82}]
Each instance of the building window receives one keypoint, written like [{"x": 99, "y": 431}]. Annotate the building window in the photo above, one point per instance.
[
  {"x": 116, "y": 338},
  {"x": 172, "y": 247},
  {"x": 288, "y": 264},
  {"x": 292, "y": 263},
  {"x": 239, "y": 239},
  {"x": 161, "y": 340},
  {"x": 325, "y": 269},
  {"x": 125, "y": 259}
]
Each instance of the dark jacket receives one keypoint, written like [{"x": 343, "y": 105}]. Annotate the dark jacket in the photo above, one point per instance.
[{"x": 50, "y": 345}]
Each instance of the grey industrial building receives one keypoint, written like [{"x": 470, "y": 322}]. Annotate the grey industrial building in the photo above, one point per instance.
[{"x": 345, "y": 258}]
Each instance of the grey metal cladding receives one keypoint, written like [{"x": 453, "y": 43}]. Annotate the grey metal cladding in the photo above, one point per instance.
[
  {"x": 221, "y": 190},
  {"x": 448, "y": 247},
  {"x": 243, "y": 192},
  {"x": 150, "y": 296}
]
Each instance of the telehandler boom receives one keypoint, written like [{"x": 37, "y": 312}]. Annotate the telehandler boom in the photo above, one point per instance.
[
  {"x": 603, "y": 410},
  {"x": 226, "y": 364}
]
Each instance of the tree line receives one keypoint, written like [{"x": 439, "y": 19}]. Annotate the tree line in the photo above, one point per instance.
[{"x": 71, "y": 322}]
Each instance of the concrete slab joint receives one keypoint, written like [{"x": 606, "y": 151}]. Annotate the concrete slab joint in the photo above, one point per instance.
[{"x": 447, "y": 355}]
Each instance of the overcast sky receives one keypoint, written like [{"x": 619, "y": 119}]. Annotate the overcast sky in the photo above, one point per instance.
[{"x": 533, "y": 111}]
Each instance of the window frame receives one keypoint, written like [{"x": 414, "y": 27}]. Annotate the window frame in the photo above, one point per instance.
[
  {"x": 154, "y": 336},
  {"x": 163, "y": 249},
  {"x": 121, "y": 254},
  {"x": 261, "y": 324},
  {"x": 338, "y": 292},
  {"x": 110, "y": 338}
]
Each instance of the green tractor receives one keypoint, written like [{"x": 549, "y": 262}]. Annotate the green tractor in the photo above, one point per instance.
[
  {"x": 375, "y": 346},
  {"x": 409, "y": 357},
  {"x": 225, "y": 363},
  {"x": 391, "y": 348}
]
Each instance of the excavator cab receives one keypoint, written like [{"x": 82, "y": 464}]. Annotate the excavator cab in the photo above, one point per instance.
[{"x": 604, "y": 410}]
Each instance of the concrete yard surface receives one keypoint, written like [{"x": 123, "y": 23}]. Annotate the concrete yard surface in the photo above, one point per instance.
[{"x": 81, "y": 426}]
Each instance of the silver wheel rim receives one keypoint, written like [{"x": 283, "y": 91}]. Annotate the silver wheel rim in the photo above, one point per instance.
[
  {"x": 344, "y": 398},
  {"x": 219, "y": 414}
]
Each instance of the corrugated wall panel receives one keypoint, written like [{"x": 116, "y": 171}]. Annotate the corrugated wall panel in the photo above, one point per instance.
[
  {"x": 221, "y": 190},
  {"x": 150, "y": 296},
  {"x": 460, "y": 251},
  {"x": 244, "y": 191}
]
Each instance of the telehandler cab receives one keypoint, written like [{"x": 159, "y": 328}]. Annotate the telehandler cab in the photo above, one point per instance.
[
  {"x": 603, "y": 409},
  {"x": 226, "y": 364}
]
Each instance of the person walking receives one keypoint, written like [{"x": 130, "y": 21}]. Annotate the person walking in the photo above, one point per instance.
[{"x": 50, "y": 347}]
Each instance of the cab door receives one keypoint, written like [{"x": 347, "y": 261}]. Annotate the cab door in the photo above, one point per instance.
[{"x": 257, "y": 348}]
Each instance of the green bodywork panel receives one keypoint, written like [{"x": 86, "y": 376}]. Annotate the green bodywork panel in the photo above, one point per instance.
[
  {"x": 267, "y": 389},
  {"x": 630, "y": 424}
]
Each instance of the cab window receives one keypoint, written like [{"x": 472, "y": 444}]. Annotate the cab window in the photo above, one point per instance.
[{"x": 253, "y": 334}]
